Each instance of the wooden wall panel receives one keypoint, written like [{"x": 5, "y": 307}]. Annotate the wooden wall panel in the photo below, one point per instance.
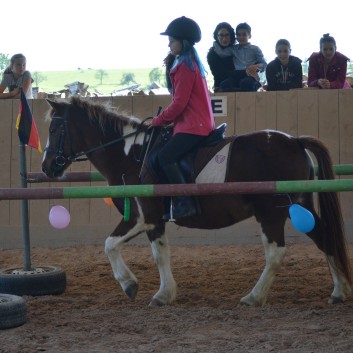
[
  {"x": 287, "y": 111},
  {"x": 265, "y": 110},
  {"x": 345, "y": 98},
  {"x": 346, "y": 144},
  {"x": 5, "y": 155},
  {"x": 245, "y": 113},
  {"x": 142, "y": 107},
  {"x": 160, "y": 101},
  {"x": 122, "y": 104},
  {"x": 308, "y": 112},
  {"x": 329, "y": 121}
]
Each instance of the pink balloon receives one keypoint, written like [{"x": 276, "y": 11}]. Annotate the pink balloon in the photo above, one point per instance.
[{"x": 59, "y": 217}]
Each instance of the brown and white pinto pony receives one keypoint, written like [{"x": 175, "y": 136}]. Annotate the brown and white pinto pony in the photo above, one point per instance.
[{"x": 111, "y": 143}]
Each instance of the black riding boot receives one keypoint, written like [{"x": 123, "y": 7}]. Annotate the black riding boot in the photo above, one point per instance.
[{"x": 184, "y": 205}]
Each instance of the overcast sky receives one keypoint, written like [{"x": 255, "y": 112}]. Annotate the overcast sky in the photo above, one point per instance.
[{"x": 105, "y": 34}]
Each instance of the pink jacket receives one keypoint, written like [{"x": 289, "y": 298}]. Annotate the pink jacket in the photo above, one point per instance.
[
  {"x": 336, "y": 71},
  {"x": 190, "y": 109}
]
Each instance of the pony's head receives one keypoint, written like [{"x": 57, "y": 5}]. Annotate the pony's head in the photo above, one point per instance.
[
  {"x": 57, "y": 149},
  {"x": 81, "y": 127}
]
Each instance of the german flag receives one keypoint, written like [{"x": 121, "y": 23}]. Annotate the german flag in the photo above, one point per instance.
[{"x": 25, "y": 125}]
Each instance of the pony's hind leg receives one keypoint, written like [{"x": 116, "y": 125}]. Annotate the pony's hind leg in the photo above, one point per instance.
[
  {"x": 331, "y": 241},
  {"x": 167, "y": 290},
  {"x": 341, "y": 289},
  {"x": 274, "y": 255}
]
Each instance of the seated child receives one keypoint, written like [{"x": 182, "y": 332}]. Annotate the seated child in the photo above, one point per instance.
[{"x": 248, "y": 60}]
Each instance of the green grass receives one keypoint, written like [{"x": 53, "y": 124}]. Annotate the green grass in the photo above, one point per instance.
[{"x": 56, "y": 80}]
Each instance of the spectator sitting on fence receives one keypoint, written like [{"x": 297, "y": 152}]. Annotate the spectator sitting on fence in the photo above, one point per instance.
[
  {"x": 16, "y": 77},
  {"x": 285, "y": 72},
  {"x": 220, "y": 55},
  {"x": 328, "y": 68},
  {"x": 248, "y": 61}
]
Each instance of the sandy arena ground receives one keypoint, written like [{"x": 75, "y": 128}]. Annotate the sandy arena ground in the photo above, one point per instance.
[{"x": 94, "y": 315}]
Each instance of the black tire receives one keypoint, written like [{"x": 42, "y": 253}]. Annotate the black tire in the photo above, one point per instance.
[
  {"x": 13, "y": 311},
  {"x": 41, "y": 280}
]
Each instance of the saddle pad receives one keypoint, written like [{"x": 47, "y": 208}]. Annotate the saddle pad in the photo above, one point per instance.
[{"x": 215, "y": 170}]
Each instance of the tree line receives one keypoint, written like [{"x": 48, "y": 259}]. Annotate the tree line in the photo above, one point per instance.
[{"x": 128, "y": 78}]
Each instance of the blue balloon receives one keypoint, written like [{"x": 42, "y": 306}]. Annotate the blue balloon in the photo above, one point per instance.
[{"x": 302, "y": 219}]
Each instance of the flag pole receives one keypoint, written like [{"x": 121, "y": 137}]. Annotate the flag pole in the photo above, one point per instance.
[
  {"x": 28, "y": 135},
  {"x": 24, "y": 206}
]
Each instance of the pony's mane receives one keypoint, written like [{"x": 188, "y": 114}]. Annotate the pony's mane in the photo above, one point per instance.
[{"x": 103, "y": 113}]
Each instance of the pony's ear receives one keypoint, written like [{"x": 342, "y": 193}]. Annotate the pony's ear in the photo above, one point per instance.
[{"x": 53, "y": 103}]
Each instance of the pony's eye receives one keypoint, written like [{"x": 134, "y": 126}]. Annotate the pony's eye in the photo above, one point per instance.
[{"x": 53, "y": 129}]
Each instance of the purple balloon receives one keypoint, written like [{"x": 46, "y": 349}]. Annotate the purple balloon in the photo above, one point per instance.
[{"x": 59, "y": 217}]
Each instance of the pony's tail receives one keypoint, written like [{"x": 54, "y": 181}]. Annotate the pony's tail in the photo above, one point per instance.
[{"x": 334, "y": 239}]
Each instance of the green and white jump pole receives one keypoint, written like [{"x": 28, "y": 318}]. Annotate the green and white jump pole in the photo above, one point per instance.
[{"x": 159, "y": 190}]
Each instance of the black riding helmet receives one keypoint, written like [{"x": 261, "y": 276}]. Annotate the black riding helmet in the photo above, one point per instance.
[{"x": 184, "y": 28}]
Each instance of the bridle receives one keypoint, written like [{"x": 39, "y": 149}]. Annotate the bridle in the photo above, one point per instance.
[{"x": 60, "y": 159}]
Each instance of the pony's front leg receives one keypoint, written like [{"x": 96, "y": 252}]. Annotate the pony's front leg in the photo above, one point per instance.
[
  {"x": 274, "y": 257},
  {"x": 341, "y": 289},
  {"x": 122, "y": 273},
  {"x": 167, "y": 289},
  {"x": 113, "y": 247}
]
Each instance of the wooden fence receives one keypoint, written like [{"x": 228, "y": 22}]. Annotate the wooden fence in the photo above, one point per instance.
[{"x": 327, "y": 115}]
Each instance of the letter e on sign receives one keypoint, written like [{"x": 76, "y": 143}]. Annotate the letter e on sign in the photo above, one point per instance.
[{"x": 219, "y": 105}]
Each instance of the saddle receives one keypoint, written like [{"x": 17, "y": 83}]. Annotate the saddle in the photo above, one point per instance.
[{"x": 193, "y": 162}]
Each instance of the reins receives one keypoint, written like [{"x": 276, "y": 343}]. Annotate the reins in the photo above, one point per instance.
[{"x": 77, "y": 156}]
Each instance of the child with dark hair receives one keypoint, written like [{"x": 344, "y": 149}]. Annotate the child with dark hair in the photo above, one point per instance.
[
  {"x": 16, "y": 77},
  {"x": 328, "y": 67},
  {"x": 285, "y": 72},
  {"x": 220, "y": 55},
  {"x": 248, "y": 61}
]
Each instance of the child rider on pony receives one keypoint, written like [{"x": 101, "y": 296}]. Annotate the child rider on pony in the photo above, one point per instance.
[{"x": 190, "y": 110}]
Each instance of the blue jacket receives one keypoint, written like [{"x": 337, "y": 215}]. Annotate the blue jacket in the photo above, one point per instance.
[{"x": 247, "y": 55}]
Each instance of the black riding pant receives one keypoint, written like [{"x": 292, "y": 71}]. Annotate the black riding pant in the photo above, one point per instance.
[{"x": 178, "y": 145}]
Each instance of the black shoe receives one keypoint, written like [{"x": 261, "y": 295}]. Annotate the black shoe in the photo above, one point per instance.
[{"x": 185, "y": 207}]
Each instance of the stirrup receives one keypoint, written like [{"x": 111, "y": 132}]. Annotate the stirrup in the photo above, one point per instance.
[
  {"x": 185, "y": 207},
  {"x": 168, "y": 217}
]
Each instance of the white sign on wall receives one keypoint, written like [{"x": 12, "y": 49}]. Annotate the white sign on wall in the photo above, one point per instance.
[{"x": 219, "y": 105}]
